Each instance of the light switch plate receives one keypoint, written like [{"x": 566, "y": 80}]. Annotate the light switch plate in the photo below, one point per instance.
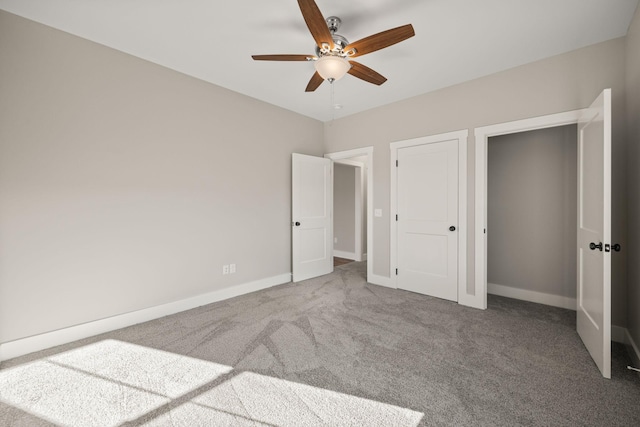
[{"x": 377, "y": 213}]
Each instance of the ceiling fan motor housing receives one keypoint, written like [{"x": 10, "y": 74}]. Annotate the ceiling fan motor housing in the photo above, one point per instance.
[{"x": 340, "y": 42}]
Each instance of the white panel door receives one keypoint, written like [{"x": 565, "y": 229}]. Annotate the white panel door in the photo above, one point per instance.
[
  {"x": 427, "y": 191},
  {"x": 594, "y": 231},
  {"x": 312, "y": 209}
]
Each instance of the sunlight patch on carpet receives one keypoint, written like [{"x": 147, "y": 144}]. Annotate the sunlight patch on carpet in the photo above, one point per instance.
[
  {"x": 103, "y": 384},
  {"x": 111, "y": 382}
]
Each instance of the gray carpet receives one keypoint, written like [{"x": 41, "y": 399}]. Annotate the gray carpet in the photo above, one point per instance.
[{"x": 329, "y": 351}]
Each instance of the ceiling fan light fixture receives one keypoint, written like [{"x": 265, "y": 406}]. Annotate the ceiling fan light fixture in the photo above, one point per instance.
[
  {"x": 334, "y": 52},
  {"x": 332, "y": 67}
]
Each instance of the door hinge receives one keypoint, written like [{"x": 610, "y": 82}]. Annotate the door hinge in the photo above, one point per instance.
[
  {"x": 607, "y": 247},
  {"x": 396, "y": 217},
  {"x": 396, "y": 163},
  {"x": 396, "y": 271}
]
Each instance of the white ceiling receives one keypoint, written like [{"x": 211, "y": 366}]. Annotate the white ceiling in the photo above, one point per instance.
[{"x": 456, "y": 40}]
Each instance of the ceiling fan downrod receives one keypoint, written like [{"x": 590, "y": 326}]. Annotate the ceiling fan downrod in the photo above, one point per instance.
[{"x": 333, "y": 22}]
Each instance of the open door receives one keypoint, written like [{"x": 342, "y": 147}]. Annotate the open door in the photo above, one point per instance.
[
  {"x": 312, "y": 207},
  {"x": 594, "y": 231}
]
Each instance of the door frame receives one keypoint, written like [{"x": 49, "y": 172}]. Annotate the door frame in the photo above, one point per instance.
[
  {"x": 366, "y": 152},
  {"x": 359, "y": 167},
  {"x": 461, "y": 136},
  {"x": 482, "y": 135}
]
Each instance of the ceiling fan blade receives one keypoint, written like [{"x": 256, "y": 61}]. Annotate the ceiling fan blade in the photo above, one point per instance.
[
  {"x": 315, "y": 81},
  {"x": 380, "y": 40},
  {"x": 365, "y": 73},
  {"x": 316, "y": 23},
  {"x": 282, "y": 57}
]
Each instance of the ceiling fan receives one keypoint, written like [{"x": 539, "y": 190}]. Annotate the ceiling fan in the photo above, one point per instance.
[{"x": 333, "y": 52}]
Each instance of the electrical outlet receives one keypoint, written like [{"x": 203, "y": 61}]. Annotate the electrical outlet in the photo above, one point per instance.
[
  {"x": 335, "y": 240},
  {"x": 225, "y": 269},
  {"x": 232, "y": 268}
]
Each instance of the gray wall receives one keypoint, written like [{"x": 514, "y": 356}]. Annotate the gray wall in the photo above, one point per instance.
[
  {"x": 344, "y": 207},
  {"x": 124, "y": 185},
  {"x": 531, "y": 210},
  {"x": 565, "y": 82},
  {"x": 633, "y": 117}
]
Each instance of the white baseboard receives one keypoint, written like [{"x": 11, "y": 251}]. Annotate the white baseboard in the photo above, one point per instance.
[
  {"x": 622, "y": 335},
  {"x": 348, "y": 255},
  {"x": 46, "y": 340},
  {"x": 634, "y": 350},
  {"x": 345, "y": 255},
  {"x": 619, "y": 334},
  {"x": 532, "y": 296}
]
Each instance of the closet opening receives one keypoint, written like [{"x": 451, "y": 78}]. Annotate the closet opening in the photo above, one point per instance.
[{"x": 531, "y": 215}]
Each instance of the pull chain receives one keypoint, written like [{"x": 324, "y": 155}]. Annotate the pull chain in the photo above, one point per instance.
[{"x": 333, "y": 110}]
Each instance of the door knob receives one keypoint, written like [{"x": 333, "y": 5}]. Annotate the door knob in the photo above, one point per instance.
[
  {"x": 616, "y": 247},
  {"x": 297, "y": 224},
  {"x": 452, "y": 228},
  {"x": 593, "y": 246}
]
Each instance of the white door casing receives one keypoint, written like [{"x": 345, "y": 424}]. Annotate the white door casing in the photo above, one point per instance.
[
  {"x": 482, "y": 134},
  {"x": 312, "y": 209},
  {"x": 428, "y": 186},
  {"x": 359, "y": 212},
  {"x": 594, "y": 231},
  {"x": 367, "y": 154}
]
